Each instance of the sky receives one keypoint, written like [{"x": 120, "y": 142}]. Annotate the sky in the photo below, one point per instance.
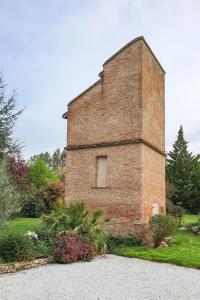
[{"x": 51, "y": 50}]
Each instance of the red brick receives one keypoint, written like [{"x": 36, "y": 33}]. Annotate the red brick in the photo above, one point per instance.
[{"x": 127, "y": 107}]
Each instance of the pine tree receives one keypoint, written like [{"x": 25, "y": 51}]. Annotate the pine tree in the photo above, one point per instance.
[
  {"x": 8, "y": 117},
  {"x": 183, "y": 172},
  {"x": 63, "y": 158},
  {"x": 56, "y": 157}
]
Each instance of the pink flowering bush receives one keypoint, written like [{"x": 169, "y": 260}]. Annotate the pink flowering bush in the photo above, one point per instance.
[{"x": 71, "y": 248}]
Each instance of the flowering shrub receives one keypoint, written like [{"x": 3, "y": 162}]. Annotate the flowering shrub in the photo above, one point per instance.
[
  {"x": 71, "y": 248},
  {"x": 31, "y": 235}
]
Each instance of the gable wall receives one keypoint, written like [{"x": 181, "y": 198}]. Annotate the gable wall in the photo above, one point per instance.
[{"x": 110, "y": 111}]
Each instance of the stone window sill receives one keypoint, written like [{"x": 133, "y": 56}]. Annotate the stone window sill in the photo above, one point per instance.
[{"x": 100, "y": 188}]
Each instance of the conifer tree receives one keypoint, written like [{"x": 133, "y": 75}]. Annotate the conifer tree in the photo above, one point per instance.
[
  {"x": 8, "y": 117},
  {"x": 183, "y": 172},
  {"x": 56, "y": 159}
]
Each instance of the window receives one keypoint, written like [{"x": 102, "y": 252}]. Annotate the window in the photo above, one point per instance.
[
  {"x": 155, "y": 209},
  {"x": 101, "y": 171}
]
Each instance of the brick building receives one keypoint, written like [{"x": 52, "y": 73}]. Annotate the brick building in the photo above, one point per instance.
[{"x": 116, "y": 140}]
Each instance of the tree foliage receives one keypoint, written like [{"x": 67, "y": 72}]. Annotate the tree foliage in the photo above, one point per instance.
[
  {"x": 18, "y": 171},
  {"x": 34, "y": 206},
  {"x": 56, "y": 162},
  {"x": 46, "y": 157},
  {"x": 183, "y": 174},
  {"x": 8, "y": 195},
  {"x": 53, "y": 193},
  {"x": 8, "y": 118},
  {"x": 40, "y": 174}
]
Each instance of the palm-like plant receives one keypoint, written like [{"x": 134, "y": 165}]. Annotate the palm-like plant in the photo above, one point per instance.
[{"x": 74, "y": 218}]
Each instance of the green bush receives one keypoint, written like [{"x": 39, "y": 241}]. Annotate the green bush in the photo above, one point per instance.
[
  {"x": 161, "y": 227},
  {"x": 43, "y": 200},
  {"x": 74, "y": 218},
  {"x": 175, "y": 210},
  {"x": 118, "y": 241},
  {"x": 16, "y": 247},
  {"x": 1, "y": 260},
  {"x": 41, "y": 249},
  {"x": 34, "y": 207}
]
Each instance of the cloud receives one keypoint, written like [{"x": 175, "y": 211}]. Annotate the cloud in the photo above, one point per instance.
[{"x": 52, "y": 50}]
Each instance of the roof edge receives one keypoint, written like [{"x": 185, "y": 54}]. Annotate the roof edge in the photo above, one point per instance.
[
  {"x": 130, "y": 43},
  {"x": 85, "y": 91}
]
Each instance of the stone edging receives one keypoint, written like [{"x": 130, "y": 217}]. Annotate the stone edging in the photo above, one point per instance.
[{"x": 23, "y": 265}]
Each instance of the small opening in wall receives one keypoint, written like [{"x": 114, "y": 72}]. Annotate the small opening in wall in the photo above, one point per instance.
[
  {"x": 101, "y": 171},
  {"x": 155, "y": 209}
]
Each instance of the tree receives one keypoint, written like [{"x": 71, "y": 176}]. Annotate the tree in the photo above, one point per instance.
[
  {"x": 63, "y": 158},
  {"x": 59, "y": 161},
  {"x": 18, "y": 171},
  {"x": 8, "y": 118},
  {"x": 56, "y": 159},
  {"x": 183, "y": 172},
  {"x": 46, "y": 157},
  {"x": 55, "y": 162},
  {"x": 40, "y": 174},
  {"x": 8, "y": 195}
]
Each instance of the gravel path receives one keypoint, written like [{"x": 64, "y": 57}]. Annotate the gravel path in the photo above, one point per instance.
[{"x": 113, "y": 277}]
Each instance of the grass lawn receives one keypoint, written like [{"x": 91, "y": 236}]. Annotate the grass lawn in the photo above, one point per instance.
[
  {"x": 21, "y": 225},
  {"x": 184, "y": 249},
  {"x": 187, "y": 218}
]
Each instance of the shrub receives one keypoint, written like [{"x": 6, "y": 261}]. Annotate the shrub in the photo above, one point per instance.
[
  {"x": 161, "y": 227},
  {"x": 74, "y": 218},
  {"x": 53, "y": 193},
  {"x": 34, "y": 206},
  {"x": 41, "y": 249},
  {"x": 118, "y": 241},
  {"x": 1, "y": 260},
  {"x": 71, "y": 248},
  {"x": 175, "y": 210},
  {"x": 9, "y": 197},
  {"x": 16, "y": 247}
]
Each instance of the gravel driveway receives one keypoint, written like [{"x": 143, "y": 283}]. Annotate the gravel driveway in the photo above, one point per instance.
[{"x": 113, "y": 277}]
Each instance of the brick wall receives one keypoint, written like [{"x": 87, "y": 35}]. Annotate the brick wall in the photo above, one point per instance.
[
  {"x": 153, "y": 101},
  {"x": 126, "y": 105},
  {"x": 120, "y": 199},
  {"x": 153, "y": 182},
  {"x": 110, "y": 111}
]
